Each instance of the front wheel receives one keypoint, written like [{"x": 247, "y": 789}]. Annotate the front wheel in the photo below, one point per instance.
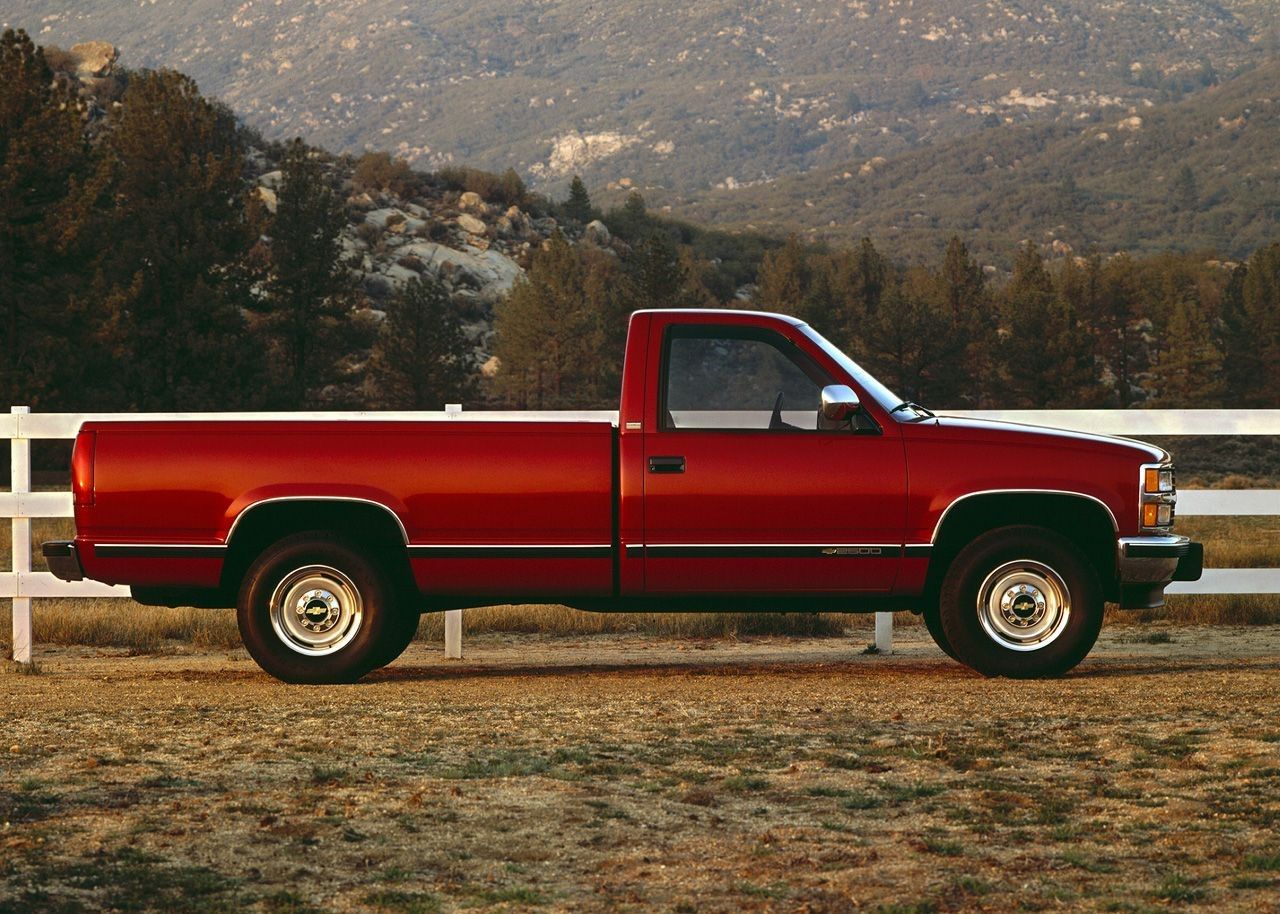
[
  {"x": 316, "y": 609},
  {"x": 1022, "y": 602}
]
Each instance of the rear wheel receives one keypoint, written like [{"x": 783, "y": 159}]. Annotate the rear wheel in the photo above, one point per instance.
[
  {"x": 314, "y": 608},
  {"x": 1022, "y": 602}
]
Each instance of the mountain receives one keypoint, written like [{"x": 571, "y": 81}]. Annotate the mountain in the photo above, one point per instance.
[
  {"x": 680, "y": 97},
  {"x": 1196, "y": 174}
]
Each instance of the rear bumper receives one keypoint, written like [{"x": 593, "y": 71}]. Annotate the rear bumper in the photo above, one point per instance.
[
  {"x": 1147, "y": 564},
  {"x": 63, "y": 560}
]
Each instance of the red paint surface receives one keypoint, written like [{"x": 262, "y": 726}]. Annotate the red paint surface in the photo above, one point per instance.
[{"x": 551, "y": 483}]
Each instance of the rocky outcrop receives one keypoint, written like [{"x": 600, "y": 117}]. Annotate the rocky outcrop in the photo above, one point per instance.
[{"x": 93, "y": 58}]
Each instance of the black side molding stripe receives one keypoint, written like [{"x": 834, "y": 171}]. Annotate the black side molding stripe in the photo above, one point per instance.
[
  {"x": 139, "y": 551},
  {"x": 510, "y": 552},
  {"x": 917, "y": 552},
  {"x": 772, "y": 552}
]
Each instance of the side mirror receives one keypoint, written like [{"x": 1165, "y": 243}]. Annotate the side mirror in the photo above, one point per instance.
[{"x": 839, "y": 402}]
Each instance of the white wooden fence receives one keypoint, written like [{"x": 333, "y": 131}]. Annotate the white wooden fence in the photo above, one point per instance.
[{"x": 20, "y": 504}]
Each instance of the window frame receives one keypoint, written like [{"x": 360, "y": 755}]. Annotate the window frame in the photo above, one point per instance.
[{"x": 789, "y": 349}]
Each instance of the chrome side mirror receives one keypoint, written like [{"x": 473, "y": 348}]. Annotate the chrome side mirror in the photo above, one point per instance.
[{"x": 839, "y": 402}]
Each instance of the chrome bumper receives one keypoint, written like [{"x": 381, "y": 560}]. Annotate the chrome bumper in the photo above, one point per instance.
[
  {"x": 63, "y": 561},
  {"x": 1146, "y": 564}
]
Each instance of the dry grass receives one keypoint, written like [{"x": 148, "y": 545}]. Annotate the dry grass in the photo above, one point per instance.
[
  {"x": 1233, "y": 542},
  {"x": 643, "y": 774}
]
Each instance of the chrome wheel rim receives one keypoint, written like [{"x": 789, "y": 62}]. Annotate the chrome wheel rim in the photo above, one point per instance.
[
  {"x": 1024, "y": 605},
  {"x": 316, "y": 610}
]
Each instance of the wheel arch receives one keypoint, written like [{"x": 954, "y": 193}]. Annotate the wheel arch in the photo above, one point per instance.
[
  {"x": 1085, "y": 520},
  {"x": 364, "y": 521}
]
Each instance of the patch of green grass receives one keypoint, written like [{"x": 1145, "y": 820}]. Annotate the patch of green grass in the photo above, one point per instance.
[
  {"x": 403, "y": 902},
  {"x": 286, "y": 902},
  {"x": 1269, "y": 863},
  {"x": 1178, "y": 888},
  {"x": 605, "y": 810},
  {"x": 1082, "y": 861},
  {"x": 501, "y": 763},
  {"x": 327, "y": 774},
  {"x": 516, "y": 894},
  {"x": 897, "y": 794},
  {"x": 858, "y": 800},
  {"x": 942, "y": 847},
  {"x": 741, "y": 783},
  {"x": 971, "y": 885},
  {"x": 775, "y": 890},
  {"x": 1252, "y": 882}
]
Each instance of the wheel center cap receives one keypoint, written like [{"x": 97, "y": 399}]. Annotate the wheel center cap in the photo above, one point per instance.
[
  {"x": 1023, "y": 605},
  {"x": 318, "y": 610}
]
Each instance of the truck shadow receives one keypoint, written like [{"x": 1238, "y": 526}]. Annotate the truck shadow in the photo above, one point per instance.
[{"x": 853, "y": 669}]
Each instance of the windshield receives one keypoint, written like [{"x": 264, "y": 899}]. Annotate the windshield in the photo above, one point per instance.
[{"x": 886, "y": 398}]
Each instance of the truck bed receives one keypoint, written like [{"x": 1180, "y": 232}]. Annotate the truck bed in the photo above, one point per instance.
[{"x": 479, "y": 501}]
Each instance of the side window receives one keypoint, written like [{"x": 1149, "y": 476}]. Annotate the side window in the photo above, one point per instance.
[{"x": 731, "y": 378}]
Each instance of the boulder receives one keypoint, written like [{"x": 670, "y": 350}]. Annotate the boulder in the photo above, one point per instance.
[
  {"x": 93, "y": 58},
  {"x": 382, "y": 218},
  {"x": 491, "y": 271},
  {"x": 596, "y": 233},
  {"x": 471, "y": 202},
  {"x": 268, "y": 198},
  {"x": 471, "y": 224}
]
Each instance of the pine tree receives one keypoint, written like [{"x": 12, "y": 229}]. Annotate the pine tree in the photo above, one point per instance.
[
  {"x": 421, "y": 359},
  {"x": 578, "y": 206},
  {"x": 42, "y": 154},
  {"x": 1047, "y": 356},
  {"x": 1261, "y": 289},
  {"x": 1188, "y": 371},
  {"x": 656, "y": 276},
  {"x": 964, "y": 373},
  {"x": 783, "y": 282},
  {"x": 1121, "y": 343},
  {"x": 1242, "y": 359},
  {"x": 173, "y": 208},
  {"x": 309, "y": 292},
  {"x": 558, "y": 330},
  {"x": 632, "y": 221}
]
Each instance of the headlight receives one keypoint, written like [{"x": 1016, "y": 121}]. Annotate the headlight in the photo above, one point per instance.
[{"x": 1157, "y": 497}]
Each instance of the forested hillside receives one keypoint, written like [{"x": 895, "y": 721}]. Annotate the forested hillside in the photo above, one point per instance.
[
  {"x": 679, "y": 97},
  {"x": 1201, "y": 173},
  {"x": 157, "y": 255}
]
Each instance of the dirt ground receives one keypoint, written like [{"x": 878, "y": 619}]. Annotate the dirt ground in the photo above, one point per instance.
[{"x": 619, "y": 773}]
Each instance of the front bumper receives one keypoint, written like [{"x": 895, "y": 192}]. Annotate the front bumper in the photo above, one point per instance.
[
  {"x": 1147, "y": 564},
  {"x": 63, "y": 560}
]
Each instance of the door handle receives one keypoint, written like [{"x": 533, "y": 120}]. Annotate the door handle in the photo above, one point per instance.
[{"x": 666, "y": 464}]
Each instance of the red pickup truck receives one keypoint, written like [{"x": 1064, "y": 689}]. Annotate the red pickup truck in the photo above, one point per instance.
[{"x": 751, "y": 466}]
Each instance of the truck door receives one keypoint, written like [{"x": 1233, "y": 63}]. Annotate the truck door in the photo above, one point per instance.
[{"x": 743, "y": 492}]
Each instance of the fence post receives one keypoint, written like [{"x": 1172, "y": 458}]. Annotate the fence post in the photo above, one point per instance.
[
  {"x": 453, "y": 617},
  {"x": 453, "y": 634},
  {"x": 884, "y": 633},
  {"x": 20, "y": 484}
]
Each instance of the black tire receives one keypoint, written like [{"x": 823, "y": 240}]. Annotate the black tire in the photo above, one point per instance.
[
  {"x": 400, "y": 633},
  {"x": 933, "y": 622},
  {"x": 999, "y": 629},
  {"x": 322, "y": 580}
]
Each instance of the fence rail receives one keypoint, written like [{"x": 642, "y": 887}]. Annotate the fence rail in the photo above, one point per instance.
[{"x": 21, "y": 505}]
